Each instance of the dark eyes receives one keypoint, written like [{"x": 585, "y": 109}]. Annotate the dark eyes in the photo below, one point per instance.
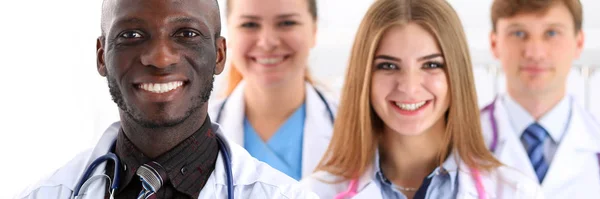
[
  {"x": 426, "y": 65},
  {"x": 249, "y": 25},
  {"x": 138, "y": 35},
  {"x": 286, "y": 23},
  {"x": 186, "y": 33},
  {"x": 131, "y": 35}
]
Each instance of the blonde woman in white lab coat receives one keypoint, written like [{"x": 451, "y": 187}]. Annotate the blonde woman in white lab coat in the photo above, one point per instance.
[
  {"x": 272, "y": 108},
  {"x": 408, "y": 122}
]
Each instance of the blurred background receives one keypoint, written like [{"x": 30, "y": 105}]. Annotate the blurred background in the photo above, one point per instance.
[{"x": 54, "y": 104}]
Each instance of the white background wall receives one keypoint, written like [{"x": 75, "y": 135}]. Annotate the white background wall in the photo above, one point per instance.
[{"x": 54, "y": 104}]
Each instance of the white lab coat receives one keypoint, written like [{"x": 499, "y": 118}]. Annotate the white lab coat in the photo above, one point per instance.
[
  {"x": 502, "y": 182},
  {"x": 575, "y": 169},
  {"x": 318, "y": 126},
  {"x": 252, "y": 178}
]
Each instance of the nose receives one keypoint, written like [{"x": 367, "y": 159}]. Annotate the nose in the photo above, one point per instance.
[
  {"x": 160, "y": 54},
  {"x": 268, "y": 39},
  {"x": 535, "y": 50},
  {"x": 409, "y": 81}
]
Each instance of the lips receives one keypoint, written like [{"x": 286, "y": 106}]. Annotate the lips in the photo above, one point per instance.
[
  {"x": 270, "y": 60},
  {"x": 410, "y": 106},
  {"x": 160, "y": 87}
]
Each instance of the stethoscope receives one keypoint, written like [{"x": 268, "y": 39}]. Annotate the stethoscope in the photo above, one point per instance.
[
  {"x": 490, "y": 108},
  {"x": 329, "y": 110},
  {"x": 83, "y": 182}
]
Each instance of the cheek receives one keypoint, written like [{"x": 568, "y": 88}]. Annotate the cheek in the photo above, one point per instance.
[
  {"x": 240, "y": 45},
  {"x": 380, "y": 87},
  {"x": 298, "y": 42},
  {"x": 437, "y": 84}
]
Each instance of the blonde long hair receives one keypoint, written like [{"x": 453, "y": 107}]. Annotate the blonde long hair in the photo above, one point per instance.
[{"x": 357, "y": 126}]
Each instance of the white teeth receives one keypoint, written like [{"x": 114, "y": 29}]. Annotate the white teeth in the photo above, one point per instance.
[
  {"x": 410, "y": 107},
  {"x": 269, "y": 60},
  {"x": 160, "y": 87}
]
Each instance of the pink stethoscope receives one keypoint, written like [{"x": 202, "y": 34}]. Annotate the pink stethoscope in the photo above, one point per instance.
[{"x": 353, "y": 187}]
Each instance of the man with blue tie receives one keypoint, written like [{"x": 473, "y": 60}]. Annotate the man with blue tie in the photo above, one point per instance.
[{"x": 536, "y": 127}]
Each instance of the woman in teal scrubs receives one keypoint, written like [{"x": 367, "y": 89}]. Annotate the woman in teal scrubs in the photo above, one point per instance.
[{"x": 272, "y": 107}]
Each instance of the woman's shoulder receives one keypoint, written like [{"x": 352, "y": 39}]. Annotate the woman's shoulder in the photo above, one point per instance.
[{"x": 324, "y": 184}]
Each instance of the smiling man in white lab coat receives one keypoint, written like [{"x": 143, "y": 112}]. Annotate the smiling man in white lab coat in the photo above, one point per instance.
[
  {"x": 160, "y": 58},
  {"x": 536, "y": 127}
]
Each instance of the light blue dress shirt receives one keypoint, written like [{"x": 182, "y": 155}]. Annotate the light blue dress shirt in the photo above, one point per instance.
[
  {"x": 555, "y": 122},
  {"x": 443, "y": 185},
  {"x": 283, "y": 151}
]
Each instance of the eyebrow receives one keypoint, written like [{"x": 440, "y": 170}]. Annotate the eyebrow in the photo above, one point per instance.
[
  {"x": 281, "y": 16},
  {"x": 426, "y": 57},
  {"x": 183, "y": 20},
  {"x": 130, "y": 20},
  {"x": 518, "y": 25}
]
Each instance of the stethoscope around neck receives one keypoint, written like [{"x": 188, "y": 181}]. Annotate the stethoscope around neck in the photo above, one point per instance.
[
  {"x": 86, "y": 180},
  {"x": 491, "y": 109},
  {"x": 329, "y": 110}
]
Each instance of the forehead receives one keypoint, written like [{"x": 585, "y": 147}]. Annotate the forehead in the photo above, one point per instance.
[
  {"x": 407, "y": 41},
  {"x": 268, "y": 8},
  {"x": 157, "y": 11},
  {"x": 557, "y": 14}
]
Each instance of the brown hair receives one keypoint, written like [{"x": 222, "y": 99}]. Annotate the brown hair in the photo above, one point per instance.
[
  {"x": 356, "y": 129},
  {"x": 235, "y": 77},
  {"x": 510, "y": 8}
]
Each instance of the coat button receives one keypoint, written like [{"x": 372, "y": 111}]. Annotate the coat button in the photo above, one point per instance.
[{"x": 184, "y": 170}]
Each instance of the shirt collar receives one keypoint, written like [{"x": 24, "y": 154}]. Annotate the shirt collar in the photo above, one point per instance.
[
  {"x": 180, "y": 162},
  {"x": 555, "y": 122},
  {"x": 448, "y": 168}
]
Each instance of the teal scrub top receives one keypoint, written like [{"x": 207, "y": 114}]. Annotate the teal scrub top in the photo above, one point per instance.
[{"x": 283, "y": 151}]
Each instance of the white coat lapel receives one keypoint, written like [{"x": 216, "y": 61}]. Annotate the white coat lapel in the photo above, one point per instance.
[
  {"x": 510, "y": 150},
  {"x": 317, "y": 131},
  {"x": 97, "y": 187},
  {"x": 575, "y": 157},
  {"x": 466, "y": 183},
  {"x": 367, "y": 188},
  {"x": 370, "y": 191},
  {"x": 232, "y": 116}
]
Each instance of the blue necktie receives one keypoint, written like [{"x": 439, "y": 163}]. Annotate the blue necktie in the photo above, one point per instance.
[
  {"x": 534, "y": 137},
  {"x": 150, "y": 175}
]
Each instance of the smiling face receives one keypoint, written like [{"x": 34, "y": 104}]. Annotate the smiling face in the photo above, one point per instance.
[
  {"x": 271, "y": 39},
  {"x": 409, "y": 88},
  {"x": 160, "y": 57},
  {"x": 537, "y": 49}
]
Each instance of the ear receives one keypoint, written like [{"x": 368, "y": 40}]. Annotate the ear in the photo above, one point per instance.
[
  {"x": 580, "y": 40},
  {"x": 100, "y": 63},
  {"x": 221, "y": 55},
  {"x": 494, "y": 44}
]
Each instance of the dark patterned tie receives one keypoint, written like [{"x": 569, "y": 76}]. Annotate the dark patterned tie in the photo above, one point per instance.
[{"x": 150, "y": 175}]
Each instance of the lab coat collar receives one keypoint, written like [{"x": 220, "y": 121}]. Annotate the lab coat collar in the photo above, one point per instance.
[
  {"x": 318, "y": 126},
  {"x": 467, "y": 183}
]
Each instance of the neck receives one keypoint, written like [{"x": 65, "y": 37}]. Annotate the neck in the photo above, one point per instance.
[
  {"x": 407, "y": 160},
  {"x": 153, "y": 142},
  {"x": 267, "y": 108},
  {"x": 274, "y": 103},
  {"x": 537, "y": 104}
]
